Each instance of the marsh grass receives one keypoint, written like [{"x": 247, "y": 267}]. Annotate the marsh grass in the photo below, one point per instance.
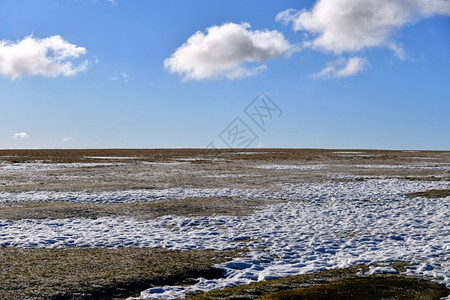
[{"x": 99, "y": 273}]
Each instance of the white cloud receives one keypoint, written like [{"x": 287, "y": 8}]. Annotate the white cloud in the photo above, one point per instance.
[
  {"x": 352, "y": 25},
  {"x": 122, "y": 75},
  {"x": 67, "y": 139},
  {"x": 225, "y": 52},
  {"x": 20, "y": 135},
  {"x": 52, "y": 57},
  {"x": 343, "y": 68}
]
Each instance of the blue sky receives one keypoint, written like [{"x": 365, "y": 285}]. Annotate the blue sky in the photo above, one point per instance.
[{"x": 163, "y": 74}]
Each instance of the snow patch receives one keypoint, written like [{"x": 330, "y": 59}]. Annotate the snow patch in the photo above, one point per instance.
[
  {"x": 291, "y": 167},
  {"x": 31, "y": 167},
  {"x": 111, "y": 157},
  {"x": 382, "y": 270}
]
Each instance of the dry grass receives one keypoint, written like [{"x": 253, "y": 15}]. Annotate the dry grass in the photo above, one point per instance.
[
  {"x": 366, "y": 288},
  {"x": 342, "y": 284},
  {"x": 109, "y": 273},
  {"x": 426, "y": 178},
  {"x": 188, "y": 207},
  {"x": 70, "y": 156},
  {"x": 431, "y": 194},
  {"x": 93, "y": 273},
  {"x": 226, "y": 164}
]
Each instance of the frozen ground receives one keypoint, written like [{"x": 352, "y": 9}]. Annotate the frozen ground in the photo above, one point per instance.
[
  {"x": 40, "y": 166},
  {"x": 323, "y": 226},
  {"x": 323, "y": 223},
  {"x": 292, "y": 167}
]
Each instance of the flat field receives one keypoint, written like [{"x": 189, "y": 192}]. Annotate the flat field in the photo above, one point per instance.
[{"x": 168, "y": 223}]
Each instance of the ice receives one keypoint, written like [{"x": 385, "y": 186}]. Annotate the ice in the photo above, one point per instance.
[{"x": 321, "y": 226}]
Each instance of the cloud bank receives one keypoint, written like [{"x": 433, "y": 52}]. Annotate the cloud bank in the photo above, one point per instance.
[
  {"x": 50, "y": 57},
  {"x": 226, "y": 51},
  {"x": 352, "y": 25}
]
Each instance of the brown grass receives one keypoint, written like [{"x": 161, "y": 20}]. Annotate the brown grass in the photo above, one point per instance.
[
  {"x": 366, "y": 288},
  {"x": 135, "y": 174},
  {"x": 71, "y": 156},
  {"x": 93, "y": 273},
  {"x": 346, "y": 283},
  {"x": 426, "y": 178},
  {"x": 188, "y": 207},
  {"x": 431, "y": 194}
]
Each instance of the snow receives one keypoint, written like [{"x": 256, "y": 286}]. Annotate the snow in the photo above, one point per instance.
[
  {"x": 428, "y": 166},
  {"x": 322, "y": 226},
  {"x": 435, "y": 166},
  {"x": 162, "y": 164},
  {"x": 111, "y": 157},
  {"x": 349, "y": 152},
  {"x": 198, "y": 159},
  {"x": 250, "y": 152},
  {"x": 232, "y": 175},
  {"x": 382, "y": 270},
  {"x": 129, "y": 196},
  {"x": 291, "y": 167},
  {"x": 39, "y": 166},
  {"x": 369, "y": 190},
  {"x": 355, "y": 154}
]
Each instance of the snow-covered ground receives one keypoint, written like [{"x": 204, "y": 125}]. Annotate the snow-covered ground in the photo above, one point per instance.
[
  {"x": 429, "y": 166},
  {"x": 112, "y": 157},
  {"x": 291, "y": 167},
  {"x": 168, "y": 163},
  {"x": 323, "y": 225},
  {"x": 8, "y": 168},
  {"x": 369, "y": 190},
  {"x": 425, "y": 166}
]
